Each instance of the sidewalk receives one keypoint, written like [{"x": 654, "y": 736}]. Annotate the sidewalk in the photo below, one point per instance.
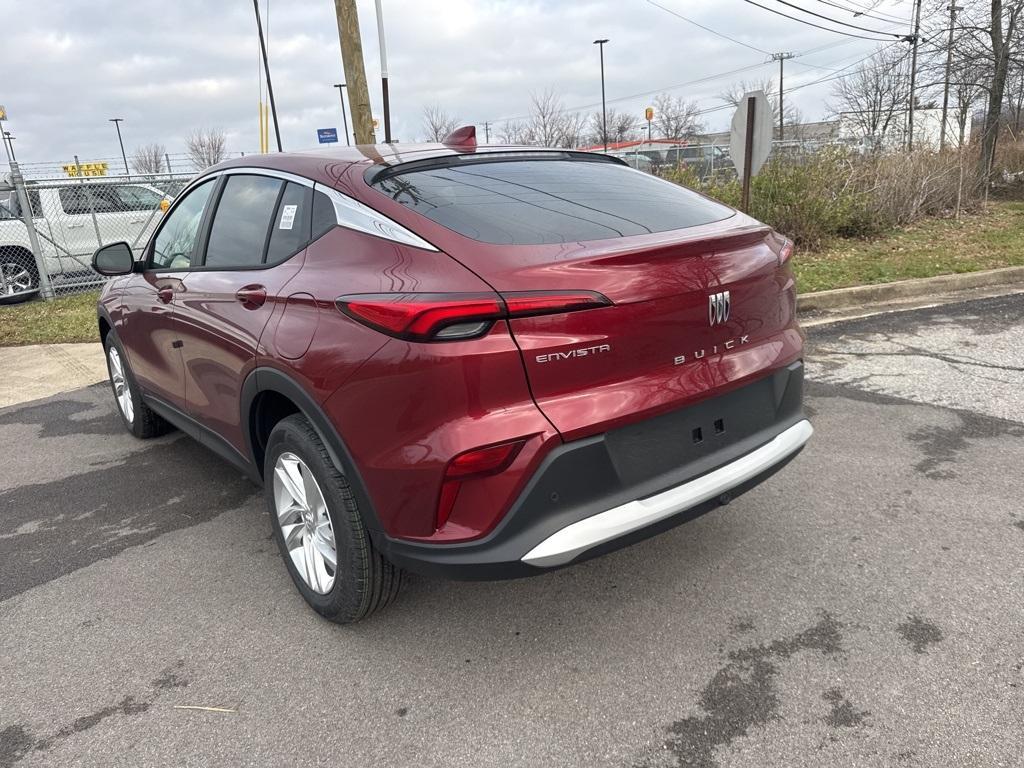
[{"x": 42, "y": 370}]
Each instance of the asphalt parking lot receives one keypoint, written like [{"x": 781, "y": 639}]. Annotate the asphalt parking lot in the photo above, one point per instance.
[{"x": 862, "y": 608}]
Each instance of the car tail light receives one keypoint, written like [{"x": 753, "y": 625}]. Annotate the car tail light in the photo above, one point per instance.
[
  {"x": 478, "y": 462},
  {"x": 786, "y": 252},
  {"x": 453, "y": 316}
]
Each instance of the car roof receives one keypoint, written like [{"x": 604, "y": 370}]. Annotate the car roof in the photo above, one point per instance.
[{"x": 326, "y": 164}]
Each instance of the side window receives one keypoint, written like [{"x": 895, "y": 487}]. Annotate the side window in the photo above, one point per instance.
[
  {"x": 290, "y": 231},
  {"x": 10, "y": 207},
  {"x": 242, "y": 221},
  {"x": 173, "y": 246},
  {"x": 82, "y": 199},
  {"x": 138, "y": 198},
  {"x": 324, "y": 217}
]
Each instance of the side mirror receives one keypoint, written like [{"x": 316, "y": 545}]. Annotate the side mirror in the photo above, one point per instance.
[{"x": 114, "y": 259}]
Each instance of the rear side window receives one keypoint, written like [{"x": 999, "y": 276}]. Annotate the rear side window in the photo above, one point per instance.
[
  {"x": 242, "y": 221},
  {"x": 81, "y": 199},
  {"x": 290, "y": 232},
  {"x": 538, "y": 201}
]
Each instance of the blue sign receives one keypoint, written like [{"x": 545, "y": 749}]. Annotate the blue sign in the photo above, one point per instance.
[{"x": 327, "y": 135}]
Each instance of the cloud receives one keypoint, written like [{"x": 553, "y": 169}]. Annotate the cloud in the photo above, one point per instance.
[{"x": 168, "y": 69}]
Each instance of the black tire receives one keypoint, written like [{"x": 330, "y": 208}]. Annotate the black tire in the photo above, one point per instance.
[
  {"x": 19, "y": 261},
  {"x": 145, "y": 422},
  {"x": 364, "y": 581}
]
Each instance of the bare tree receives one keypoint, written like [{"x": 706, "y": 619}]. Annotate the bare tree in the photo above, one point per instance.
[
  {"x": 622, "y": 126},
  {"x": 676, "y": 118},
  {"x": 873, "y": 98},
  {"x": 149, "y": 158},
  {"x": 734, "y": 95},
  {"x": 206, "y": 147},
  {"x": 437, "y": 123}
]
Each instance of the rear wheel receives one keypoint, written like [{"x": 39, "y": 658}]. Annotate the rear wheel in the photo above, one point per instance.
[
  {"x": 20, "y": 280},
  {"x": 318, "y": 528},
  {"x": 138, "y": 418}
]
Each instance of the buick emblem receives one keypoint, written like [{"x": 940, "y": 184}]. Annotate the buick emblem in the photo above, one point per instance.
[{"x": 718, "y": 308}]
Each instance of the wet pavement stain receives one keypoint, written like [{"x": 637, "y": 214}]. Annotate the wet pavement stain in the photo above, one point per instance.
[
  {"x": 60, "y": 417},
  {"x": 53, "y": 528},
  {"x": 17, "y": 742},
  {"x": 942, "y": 446},
  {"x": 843, "y": 713},
  {"x": 919, "y": 633},
  {"x": 743, "y": 694}
]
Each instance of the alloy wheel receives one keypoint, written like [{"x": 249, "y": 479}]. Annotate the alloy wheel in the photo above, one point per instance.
[
  {"x": 305, "y": 523},
  {"x": 121, "y": 391},
  {"x": 17, "y": 279}
]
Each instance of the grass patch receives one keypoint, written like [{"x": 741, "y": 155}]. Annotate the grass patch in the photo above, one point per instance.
[
  {"x": 927, "y": 248},
  {"x": 64, "y": 320}
]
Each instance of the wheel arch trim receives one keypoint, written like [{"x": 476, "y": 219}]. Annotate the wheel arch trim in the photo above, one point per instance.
[{"x": 266, "y": 379}]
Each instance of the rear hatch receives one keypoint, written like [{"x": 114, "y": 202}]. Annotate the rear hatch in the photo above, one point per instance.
[{"x": 702, "y": 298}]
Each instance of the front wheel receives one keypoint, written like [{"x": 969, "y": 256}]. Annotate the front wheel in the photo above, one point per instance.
[
  {"x": 318, "y": 528},
  {"x": 19, "y": 279},
  {"x": 138, "y": 418}
]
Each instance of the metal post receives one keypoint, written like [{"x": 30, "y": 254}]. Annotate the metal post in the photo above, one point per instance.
[
  {"x": 45, "y": 286},
  {"x": 953, "y": 8},
  {"x": 384, "y": 73},
  {"x": 6, "y": 150},
  {"x": 487, "y": 132},
  {"x": 167, "y": 157},
  {"x": 604, "y": 109},
  {"x": 266, "y": 69},
  {"x": 748, "y": 143},
  {"x": 92, "y": 208},
  {"x": 117, "y": 124},
  {"x": 913, "y": 75},
  {"x": 344, "y": 117}
]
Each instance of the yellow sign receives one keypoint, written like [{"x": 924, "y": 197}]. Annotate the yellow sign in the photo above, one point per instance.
[
  {"x": 649, "y": 114},
  {"x": 3, "y": 112},
  {"x": 88, "y": 169}
]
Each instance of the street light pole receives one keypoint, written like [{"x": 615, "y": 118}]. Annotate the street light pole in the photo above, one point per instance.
[
  {"x": 344, "y": 117},
  {"x": 117, "y": 124},
  {"x": 266, "y": 70},
  {"x": 604, "y": 108},
  {"x": 953, "y": 8},
  {"x": 384, "y": 74}
]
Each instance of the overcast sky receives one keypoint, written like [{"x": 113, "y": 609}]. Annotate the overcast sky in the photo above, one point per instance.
[{"x": 170, "y": 67}]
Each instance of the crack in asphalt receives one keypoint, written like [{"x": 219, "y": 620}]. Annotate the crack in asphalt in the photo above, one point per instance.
[{"x": 919, "y": 352}]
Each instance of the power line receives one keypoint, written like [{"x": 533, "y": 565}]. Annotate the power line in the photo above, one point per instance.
[
  {"x": 870, "y": 14},
  {"x": 818, "y": 26},
  {"x": 835, "y": 21},
  {"x": 709, "y": 29}
]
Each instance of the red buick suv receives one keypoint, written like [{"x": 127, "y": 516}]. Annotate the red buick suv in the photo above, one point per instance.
[{"x": 475, "y": 362}]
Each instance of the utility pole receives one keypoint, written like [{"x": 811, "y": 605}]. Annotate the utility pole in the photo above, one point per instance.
[
  {"x": 487, "y": 132},
  {"x": 953, "y": 8},
  {"x": 781, "y": 57},
  {"x": 266, "y": 70},
  {"x": 384, "y": 73},
  {"x": 344, "y": 117},
  {"x": 604, "y": 109},
  {"x": 913, "y": 74},
  {"x": 117, "y": 124},
  {"x": 355, "y": 71}
]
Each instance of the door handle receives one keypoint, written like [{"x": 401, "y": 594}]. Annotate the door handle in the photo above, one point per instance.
[
  {"x": 166, "y": 295},
  {"x": 76, "y": 226},
  {"x": 252, "y": 296}
]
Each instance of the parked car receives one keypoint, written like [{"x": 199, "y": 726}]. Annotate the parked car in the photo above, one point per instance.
[
  {"x": 67, "y": 233},
  {"x": 472, "y": 362}
]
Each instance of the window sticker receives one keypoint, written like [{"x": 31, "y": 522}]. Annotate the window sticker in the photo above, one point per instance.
[{"x": 288, "y": 216}]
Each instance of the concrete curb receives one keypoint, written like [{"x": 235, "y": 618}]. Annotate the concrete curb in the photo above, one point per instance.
[{"x": 858, "y": 296}]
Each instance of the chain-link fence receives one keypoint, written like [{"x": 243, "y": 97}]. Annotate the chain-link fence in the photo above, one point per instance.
[{"x": 50, "y": 229}]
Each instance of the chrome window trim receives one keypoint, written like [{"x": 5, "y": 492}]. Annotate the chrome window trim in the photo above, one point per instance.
[{"x": 353, "y": 214}]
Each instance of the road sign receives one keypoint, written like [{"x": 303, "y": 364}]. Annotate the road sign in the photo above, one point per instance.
[
  {"x": 327, "y": 135},
  {"x": 760, "y": 135}
]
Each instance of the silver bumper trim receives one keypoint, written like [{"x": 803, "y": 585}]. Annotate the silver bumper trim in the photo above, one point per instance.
[{"x": 561, "y": 547}]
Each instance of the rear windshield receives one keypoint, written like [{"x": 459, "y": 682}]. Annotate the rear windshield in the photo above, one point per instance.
[{"x": 537, "y": 201}]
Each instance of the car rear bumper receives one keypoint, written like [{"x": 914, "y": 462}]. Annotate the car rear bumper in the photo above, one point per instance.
[{"x": 598, "y": 494}]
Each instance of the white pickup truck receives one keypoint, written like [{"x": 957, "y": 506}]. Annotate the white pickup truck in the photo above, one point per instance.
[{"x": 72, "y": 219}]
